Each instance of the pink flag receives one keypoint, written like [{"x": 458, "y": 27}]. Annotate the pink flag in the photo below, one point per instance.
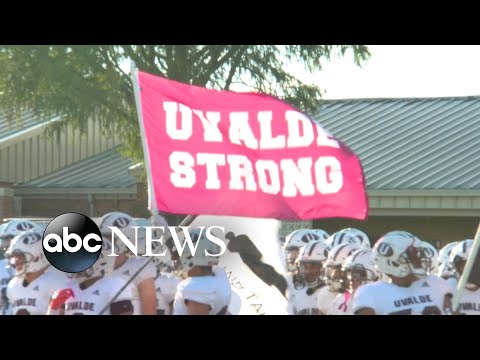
[{"x": 241, "y": 154}]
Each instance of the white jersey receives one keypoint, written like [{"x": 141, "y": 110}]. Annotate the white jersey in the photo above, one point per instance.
[
  {"x": 303, "y": 301},
  {"x": 342, "y": 304},
  {"x": 34, "y": 298},
  {"x": 6, "y": 274},
  {"x": 166, "y": 287},
  {"x": 127, "y": 270},
  {"x": 211, "y": 290},
  {"x": 425, "y": 296},
  {"x": 469, "y": 303},
  {"x": 92, "y": 300},
  {"x": 325, "y": 300}
]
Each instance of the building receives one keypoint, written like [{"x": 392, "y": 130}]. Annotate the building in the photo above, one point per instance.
[
  {"x": 420, "y": 157},
  {"x": 47, "y": 176},
  {"x": 421, "y": 162}
]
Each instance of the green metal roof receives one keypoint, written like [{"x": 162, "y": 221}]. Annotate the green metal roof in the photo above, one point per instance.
[
  {"x": 404, "y": 144},
  {"x": 26, "y": 122},
  {"x": 106, "y": 170},
  {"x": 410, "y": 144}
]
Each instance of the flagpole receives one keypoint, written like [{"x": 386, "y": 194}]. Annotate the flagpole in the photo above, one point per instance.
[
  {"x": 152, "y": 203},
  {"x": 151, "y": 193},
  {"x": 466, "y": 272}
]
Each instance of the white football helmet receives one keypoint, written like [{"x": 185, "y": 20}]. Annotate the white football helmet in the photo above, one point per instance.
[
  {"x": 293, "y": 242},
  {"x": 26, "y": 253},
  {"x": 335, "y": 277},
  {"x": 349, "y": 236},
  {"x": 199, "y": 257},
  {"x": 11, "y": 229},
  {"x": 362, "y": 238},
  {"x": 322, "y": 234},
  {"x": 445, "y": 269},
  {"x": 360, "y": 266},
  {"x": 399, "y": 253},
  {"x": 315, "y": 252},
  {"x": 430, "y": 257},
  {"x": 460, "y": 254},
  {"x": 124, "y": 223}
]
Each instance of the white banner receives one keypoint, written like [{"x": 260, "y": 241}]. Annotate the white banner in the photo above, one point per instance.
[{"x": 254, "y": 267}]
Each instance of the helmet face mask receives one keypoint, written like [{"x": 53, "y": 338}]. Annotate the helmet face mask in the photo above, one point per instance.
[
  {"x": 294, "y": 242},
  {"x": 459, "y": 256},
  {"x": 292, "y": 256},
  {"x": 360, "y": 268},
  {"x": 19, "y": 261},
  {"x": 25, "y": 253},
  {"x": 445, "y": 269},
  {"x": 418, "y": 261},
  {"x": 336, "y": 278},
  {"x": 311, "y": 272},
  {"x": 400, "y": 254},
  {"x": 310, "y": 262},
  {"x": 356, "y": 276}
]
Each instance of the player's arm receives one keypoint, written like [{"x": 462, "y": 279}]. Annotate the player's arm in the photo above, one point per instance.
[
  {"x": 148, "y": 296},
  {"x": 196, "y": 308},
  {"x": 146, "y": 290}
]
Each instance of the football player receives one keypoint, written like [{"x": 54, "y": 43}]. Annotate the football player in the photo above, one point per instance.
[
  {"x": 445, "y": 269},
  {"x": 166, "y": 281},
  {"x": 360, "y": 269},
  {"x": 303, "y": 297},
  {"x": 291, "y": 250},
  {"x": 335, "y": 276},
  {"x": 32, "y": 287},
  {"x": 126, "y": 264},
  {"x": 293, "y": 243},
  {"x": 469, "y": 302},
  {"x": 400, "y": 256},
  {"x": 206, "y": 289},
  {"x": 93, "y": 290},
  {"x": 7, "y": 232}
]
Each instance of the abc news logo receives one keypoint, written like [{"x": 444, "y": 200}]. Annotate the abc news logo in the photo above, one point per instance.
[{"x": 73, "y": 242}]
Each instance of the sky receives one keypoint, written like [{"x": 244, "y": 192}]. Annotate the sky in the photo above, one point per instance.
[
  {"x": 404, "y": 71},
  {"x": 398, "y": 71}
]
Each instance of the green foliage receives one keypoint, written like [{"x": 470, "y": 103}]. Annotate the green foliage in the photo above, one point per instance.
[{"x": 82, "y": 82}]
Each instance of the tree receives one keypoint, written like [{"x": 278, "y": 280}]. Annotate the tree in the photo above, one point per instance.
[{"x": 82, "y": 82}]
